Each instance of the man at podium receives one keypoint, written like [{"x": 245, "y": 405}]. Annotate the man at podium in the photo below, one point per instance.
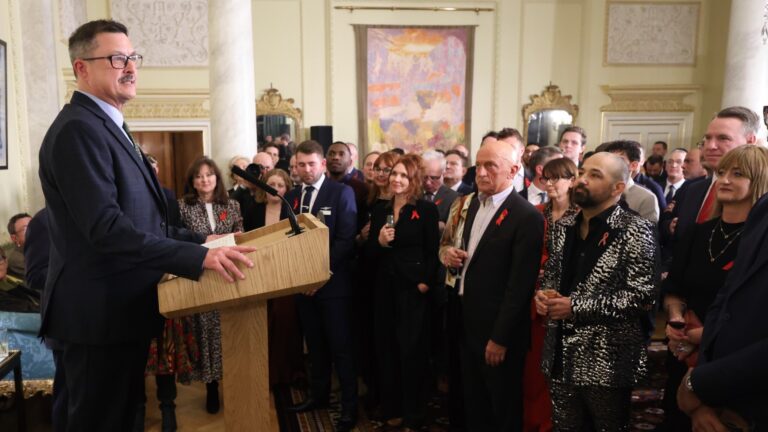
[
  {"x": 324, "y": 313},
  {"x": 110, "y": 238}
]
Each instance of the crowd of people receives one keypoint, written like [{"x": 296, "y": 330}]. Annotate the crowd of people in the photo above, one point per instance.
[{"x": 524, "y": 285}]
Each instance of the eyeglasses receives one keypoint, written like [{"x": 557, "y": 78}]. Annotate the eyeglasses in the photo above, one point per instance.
[
  {"x": 378, "y": 170},
  {"x": 120, "y": 61},
  {"x": 433, "y": 178},
  {"x": 546, "y": 179}
]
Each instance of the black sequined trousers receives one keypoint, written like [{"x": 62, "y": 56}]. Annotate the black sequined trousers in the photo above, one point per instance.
[{"x": 586, "y": 408}]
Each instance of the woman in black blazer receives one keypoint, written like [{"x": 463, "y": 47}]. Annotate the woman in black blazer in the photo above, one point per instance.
[{"x": 408, "y": 264}]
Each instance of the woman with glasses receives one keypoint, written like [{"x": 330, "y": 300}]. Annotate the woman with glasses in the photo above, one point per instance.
[
  {"x": 703, "y": 260},
  {"x": 406, "y": 242},
  {"x": 206, "y": 209},
  {"x": 557, "y": 175}
]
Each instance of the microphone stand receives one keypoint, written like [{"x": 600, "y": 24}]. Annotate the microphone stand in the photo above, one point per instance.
[{"x": 295, "y": 228}]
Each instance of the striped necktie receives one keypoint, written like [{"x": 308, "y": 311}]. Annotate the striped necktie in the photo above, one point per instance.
[{"x": 130, "y": 138}]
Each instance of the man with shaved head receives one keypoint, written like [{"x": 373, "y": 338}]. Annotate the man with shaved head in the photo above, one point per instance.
[
  {"x": 599, "y": 282},
  {"x": 265, "y": 162},
  {"x": 490, "y": 251}
]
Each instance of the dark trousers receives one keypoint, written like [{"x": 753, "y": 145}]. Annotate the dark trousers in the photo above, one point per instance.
[
  {"x": 326, "y": 325},
  {"x": 674, "y": 419},
  {"x": 493, "y": 396},
  {"x": 402, "y": 348},
  {"x": 104, "y": 384},
  {"x": 60, "y": 397},
  {"x": 588, "y": 408},
  {"x": 454, "y": 326}
]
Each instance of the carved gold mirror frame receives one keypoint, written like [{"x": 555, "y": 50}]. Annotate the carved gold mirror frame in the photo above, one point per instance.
[
  {"x": 271, "y": 103},
  {"x": 551, "y": 99}
]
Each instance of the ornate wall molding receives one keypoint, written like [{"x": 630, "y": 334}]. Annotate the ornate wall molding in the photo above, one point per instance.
[
  {"x": 549, "y": 99},
  {"x": 167, "y": 33},
  {"x": 650, "y": 98},
  {"x": 72, "y": 14}
]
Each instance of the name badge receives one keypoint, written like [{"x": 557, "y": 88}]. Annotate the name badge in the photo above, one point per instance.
[{"x": 325, "y": 211}]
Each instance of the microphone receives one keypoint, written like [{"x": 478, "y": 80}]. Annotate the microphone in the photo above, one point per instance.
[{"x": 270, "y": 190}]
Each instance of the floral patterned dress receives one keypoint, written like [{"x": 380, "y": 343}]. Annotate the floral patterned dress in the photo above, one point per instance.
[{"x": 206, "y": 326}]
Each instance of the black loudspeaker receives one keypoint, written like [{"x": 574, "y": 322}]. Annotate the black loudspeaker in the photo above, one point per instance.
[{"x": 323, "y": 135}]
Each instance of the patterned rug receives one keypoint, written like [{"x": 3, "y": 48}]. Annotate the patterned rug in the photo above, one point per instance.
[{"x": 646, "y": 406}]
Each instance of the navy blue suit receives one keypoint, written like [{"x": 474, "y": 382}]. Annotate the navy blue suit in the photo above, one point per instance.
[
  {"x": 110, "y": 246},
  {"x": 654, "y": 187},
  {"x": 325, "y": 317},
  {"x": 732, "y": 369}
]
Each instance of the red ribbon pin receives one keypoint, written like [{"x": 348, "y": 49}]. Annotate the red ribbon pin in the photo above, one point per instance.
[
  {"x": 728, "y": 266},
  {"x": 414, "y": 215},
  {"x": 223, "y": 216},
  {"x": 603, "y": 240},
  {"x": 295, "y": 203},
  {"x": 438, "y": 201},
  {"x": 501, "y": 217}
]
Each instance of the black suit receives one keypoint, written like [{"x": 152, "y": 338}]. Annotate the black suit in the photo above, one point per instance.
[
  {"x": 110, "y": 246},
  {"x": 402, "y": 318},
  {"x": 732, "y": 369},
  {"x": 653, "y": 186},
  {"x": 444, "y": 198},
  {"x": 498, "y": 286},
  {"x": 325, "y": 317}
]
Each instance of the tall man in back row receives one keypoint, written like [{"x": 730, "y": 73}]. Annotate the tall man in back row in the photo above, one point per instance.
[{"x": 110, "y": 240}]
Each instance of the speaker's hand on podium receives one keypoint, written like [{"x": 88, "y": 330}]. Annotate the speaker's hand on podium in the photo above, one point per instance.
[{"x": 223, "y": 261}]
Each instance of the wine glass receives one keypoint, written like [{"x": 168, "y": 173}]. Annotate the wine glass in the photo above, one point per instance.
[
  {"x": 390, "y": 223},
  {"x": 550, "y": 293},
  {"x": 676, "y": 319}
]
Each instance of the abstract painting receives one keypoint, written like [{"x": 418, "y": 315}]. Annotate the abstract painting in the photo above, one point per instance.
[{"x": 414, "y": 87}]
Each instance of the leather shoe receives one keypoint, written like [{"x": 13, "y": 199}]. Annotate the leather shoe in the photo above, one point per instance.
[
  {"x": 346, "y": 422},
  {"x": 309, "y": 404}
]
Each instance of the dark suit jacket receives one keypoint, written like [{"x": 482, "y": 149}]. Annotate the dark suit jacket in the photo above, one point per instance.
[
  {"x": 341, "y": 218},
  {"x": 501, "y": 275},
  {"x": 732, "y": 368},
  {"x": 444, "y": 197},
  {"x": 174, "y": 213},
  {"x": 413, "y": 258},
  {"x": 469, "y": 177},
  {"x": 108, "y": 224},
  {"x": 36, "y": 249},
  {"x": 465, "y": 189},
  {"x": 688, "y": 201}
]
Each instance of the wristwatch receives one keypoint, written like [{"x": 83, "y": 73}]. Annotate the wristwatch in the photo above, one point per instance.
[{"x": 688, "y": 384}]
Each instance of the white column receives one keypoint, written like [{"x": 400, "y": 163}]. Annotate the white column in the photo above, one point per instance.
[
  {"x": 746, "y": 60},
  {"x": 231, "y": 81}
]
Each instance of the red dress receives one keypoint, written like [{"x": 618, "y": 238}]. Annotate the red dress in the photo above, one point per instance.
[{"x": 537, "y": 406}]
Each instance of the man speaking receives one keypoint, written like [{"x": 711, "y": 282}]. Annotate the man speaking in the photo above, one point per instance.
[{"x": 110, "y": 240}]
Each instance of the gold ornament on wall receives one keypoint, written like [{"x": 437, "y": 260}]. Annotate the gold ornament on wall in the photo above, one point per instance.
[{"x": 551, "y": 110}]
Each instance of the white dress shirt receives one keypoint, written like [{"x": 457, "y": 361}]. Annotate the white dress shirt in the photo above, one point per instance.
[
  {"x": 316, "y": 185},
  {"x": 535, "y": 196}
]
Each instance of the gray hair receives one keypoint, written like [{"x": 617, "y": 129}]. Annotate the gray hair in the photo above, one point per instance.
[
  {"x": 434, "y": 155},
  {"x": 749, "y": 119}
]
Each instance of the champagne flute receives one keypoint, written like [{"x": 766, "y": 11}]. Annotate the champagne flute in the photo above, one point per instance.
[
  {"x": 550, "y": 293},
  {"x": 457, "y": 271},
  {"x": 390, "y": 223}
]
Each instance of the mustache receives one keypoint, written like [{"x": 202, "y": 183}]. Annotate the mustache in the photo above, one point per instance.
[{"x": 126, "y": 79}]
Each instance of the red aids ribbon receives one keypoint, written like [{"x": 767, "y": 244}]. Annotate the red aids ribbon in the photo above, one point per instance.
[
  {"x": 603, "y": 240},
  {"x": 438, "y": 201},
  {"x": 223, "y": 216},
  {"x": 414, "y": 215},
  {"x": 295, "y": 203},
  {"x": 501, "y": 217},
  {"x": 728, "y": 266}
]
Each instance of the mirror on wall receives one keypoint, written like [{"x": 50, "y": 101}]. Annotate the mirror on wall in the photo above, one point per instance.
[
  {"x": 276, "y": 116},
  {"x": 547, "y": 115}
]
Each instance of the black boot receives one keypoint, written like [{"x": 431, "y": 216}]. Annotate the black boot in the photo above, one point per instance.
[
  {"x": 212, "y": 397},
  {"x": 166, "y": 394},
  {"x": 168, "y": 413},
  {"x": 138, "y": 421}
]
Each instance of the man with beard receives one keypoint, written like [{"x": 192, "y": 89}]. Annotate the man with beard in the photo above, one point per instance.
[
  {"x": 602, "y": 267},
  {"x": 339, "y": 159}
]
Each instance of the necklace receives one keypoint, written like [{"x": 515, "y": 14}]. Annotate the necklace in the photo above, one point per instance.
[{"x": 735, "y": 234}]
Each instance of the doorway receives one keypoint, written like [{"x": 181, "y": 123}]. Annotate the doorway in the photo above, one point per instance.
[{"x": 175, "y": 152}]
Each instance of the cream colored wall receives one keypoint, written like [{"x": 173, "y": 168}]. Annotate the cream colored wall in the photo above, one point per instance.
[{"x": 13, "y": 189}]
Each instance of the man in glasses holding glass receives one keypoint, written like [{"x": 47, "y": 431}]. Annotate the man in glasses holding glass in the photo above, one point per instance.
[{"x": 110, "y": 240}]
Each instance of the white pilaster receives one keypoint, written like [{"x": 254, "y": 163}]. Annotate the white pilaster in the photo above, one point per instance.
[
  {"x": 746, "y": 60},
  {"x": 231, "y": 69}
]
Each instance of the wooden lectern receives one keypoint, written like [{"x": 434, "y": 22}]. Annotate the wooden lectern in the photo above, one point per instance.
[{"x": 283, "y": 265}]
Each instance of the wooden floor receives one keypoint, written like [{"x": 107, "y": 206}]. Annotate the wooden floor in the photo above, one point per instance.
[{"x": 190, "y": 409}]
